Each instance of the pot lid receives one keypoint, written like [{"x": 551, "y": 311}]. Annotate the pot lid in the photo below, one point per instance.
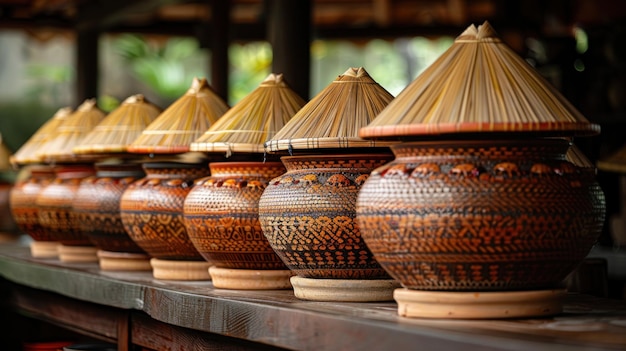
[
  {"x": 253, "y": 120},
  {"x": 120, "y": 127},
  {"x": 71, "y": 132},
  {"x": 615, "y": 162},
  {"x": 333, "y": 117},
  {"x": 5, "y": 156},
  {"x": 182, "y": 122},
  {"x": 28, "y": 153},
  {"x": 479, "y": 85}
]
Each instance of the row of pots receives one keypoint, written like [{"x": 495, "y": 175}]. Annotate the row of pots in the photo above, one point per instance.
[
  {"x": 308, "y": 213},
  {"x": 492, "y": 210},
  {"x": 172, "y": 211}
]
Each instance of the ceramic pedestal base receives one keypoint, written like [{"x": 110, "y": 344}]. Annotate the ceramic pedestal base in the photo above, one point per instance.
[
  {"x": 250, "y": 279},
  {"x": 344, "y": 290},
  {"x": 123, "y": 261},
  {"x": 78, "y": 254},
  {"x": 180, "y": 270},
  {"x": 44, "y": 249},
  {"x": 478, "y": 305}
]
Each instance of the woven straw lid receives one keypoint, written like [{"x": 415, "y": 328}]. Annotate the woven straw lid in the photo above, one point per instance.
[
  {"x": 5, "y": 156},
  {"x": 479, "y": 85},
  {"x": 615, "y": 162},
  {"x": 333, "y": 117},
  {"x": 71, "y": 132},
  {"x": 29, "y": 152},
  {"x": 255, "y": 119},
  {"x": 182, "y": 122},
  {"x": 120, "y": 127}
]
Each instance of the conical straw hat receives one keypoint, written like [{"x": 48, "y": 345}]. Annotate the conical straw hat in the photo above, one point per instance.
[
  {"x": 70, "y": 132},
  {"x": 182, "y": 122},
  {"x": 255, "y": 119},
  {"x": 615, "y": 162},
  {"x": 120, "y": 127},
  {"x": 479, "y": 85},
  {"x": 29, "y": 152},
  {"x": 5, "y": 155},
  {"x": 333, "y": 117}
]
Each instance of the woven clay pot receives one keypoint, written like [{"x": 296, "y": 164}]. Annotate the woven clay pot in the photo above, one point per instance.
[
  {"x": 56, "y": 213},
  {"x": 26, "y": 213},
  {"x": 8, "y": 227},
  {"x": 221, "y": 217},
  {"x": 152, "y": 213},
  {"x": 97, "y": 209},
  {"x": 481, "y": 216},
  {"x": 308, "y": 216}
]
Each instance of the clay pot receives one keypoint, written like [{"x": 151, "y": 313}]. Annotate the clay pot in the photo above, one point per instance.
[
  {"x": 308, "y": 216},
  {"x": 152, "y": 213},
  {"x": 481, "y": 215},
  {"x": 26, "y": 213},
  {"x": 97, "y": 209},
  {"x": 221, "y": 217},
  {"x": 56, "y": 213},
  {"x": 8, "y": 227}
]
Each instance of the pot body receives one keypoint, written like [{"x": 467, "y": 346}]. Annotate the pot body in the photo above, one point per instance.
[
  {"x": 22, "y": 201},
  {"x": 151, "y": 209},
  {"x": 56, "y": 204},
  {"x": 7, "y": 223},
  {"x": 222, "y": 215},
  {"x": 308, "y": 216},
  {"x": 481, "y": 215},
  {"x": 97, "y": 206}
]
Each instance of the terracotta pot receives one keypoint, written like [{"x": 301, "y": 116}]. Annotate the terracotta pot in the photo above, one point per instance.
[
  {"x": 7, "y": 223},
  {"x": 308, "y": 216},
  {"x": 97, "y": 209},
  {"x": 56, "y": 212},
  {"x": 221, "y": 217},
  {"x": 26, "y": 213},
  {"x": 152, "y": 213},
  {"x": 481, "y": 215}
]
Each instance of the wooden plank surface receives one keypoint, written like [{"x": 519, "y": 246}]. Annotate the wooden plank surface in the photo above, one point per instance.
[{"x": 278, "y": 318}]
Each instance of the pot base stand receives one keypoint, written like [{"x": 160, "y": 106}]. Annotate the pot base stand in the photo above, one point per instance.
[
  {"x": 44, "y": 249},
  {"x": 250, "y": 279},
  {"x": 123, "y": 261},
  {"x": 180, "y": 270},
  {"x": 344, "y": 290},
  {"x": 78, "y": 254},
  {"x": 479, "y": 305}
]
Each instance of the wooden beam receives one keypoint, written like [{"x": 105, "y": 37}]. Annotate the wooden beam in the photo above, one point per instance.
[{"x": 111, "y": 12}]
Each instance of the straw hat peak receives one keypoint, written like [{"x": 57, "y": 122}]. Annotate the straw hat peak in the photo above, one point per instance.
[
  {"x": 87, "y": 105},
  {"x": 71, "y": 131},
  {"x": 254, "y": 119},
  {"x": 332, "y": 118},
  {"x": 182, "y": 122},
  {"x": 120, "y": 127},
  {"x": 479, "y": 85},
  {"x": 29, "y": 152}
]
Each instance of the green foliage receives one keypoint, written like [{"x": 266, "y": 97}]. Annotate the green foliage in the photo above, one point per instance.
[
  {"x": 108, "y": 103},
  {"x": 250, "y": 64},
  {"x": 49, "y": 82},
  {"x": 20, "y": 119},
  {"x": 165, "y": 68}
]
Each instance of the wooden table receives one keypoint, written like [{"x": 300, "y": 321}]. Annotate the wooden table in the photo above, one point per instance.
[{"x": 133, "y": 309}]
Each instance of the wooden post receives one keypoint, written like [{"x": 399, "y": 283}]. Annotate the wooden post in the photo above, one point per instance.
[
  {"x": 220, "y": 39},
  {"x": 86, "y": 64},
  {"x": 289, "y": 33}
]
